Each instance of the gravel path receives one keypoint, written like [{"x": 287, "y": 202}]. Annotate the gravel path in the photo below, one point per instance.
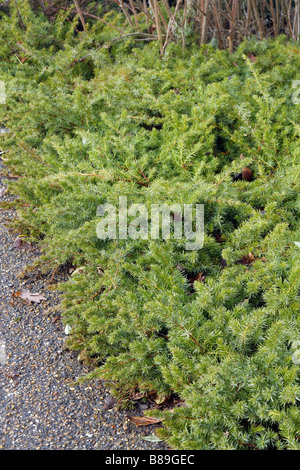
[{"x": 40, "y": 405}]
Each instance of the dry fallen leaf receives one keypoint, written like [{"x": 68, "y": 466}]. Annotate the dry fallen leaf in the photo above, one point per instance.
[
  {"x": 143, "y": 420},
  {"x": 247, "y": 259},
  {"x": 200, "y": 277},
  {"x": 21, "y": 244},
  {"x": 32, "y": 297},
  {"x": 252, "y": 57},
  {"x": 79, "y": 270}
]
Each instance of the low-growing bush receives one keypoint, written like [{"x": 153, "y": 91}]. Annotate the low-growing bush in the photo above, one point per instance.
[{"x": 219, "y": 327}]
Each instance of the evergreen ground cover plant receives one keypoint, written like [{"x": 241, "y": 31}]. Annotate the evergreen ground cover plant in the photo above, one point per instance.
[{"x": 218, "y": 328}]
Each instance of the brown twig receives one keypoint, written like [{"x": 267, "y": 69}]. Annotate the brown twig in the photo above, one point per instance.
[{"x": 80, "y": 14}]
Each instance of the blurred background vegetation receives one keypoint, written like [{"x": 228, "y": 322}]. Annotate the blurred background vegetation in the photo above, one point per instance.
[{"x": 223, "y": 23}]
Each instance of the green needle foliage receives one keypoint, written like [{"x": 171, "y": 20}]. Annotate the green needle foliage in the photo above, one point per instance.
[{"x": 176, "y": 129}]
